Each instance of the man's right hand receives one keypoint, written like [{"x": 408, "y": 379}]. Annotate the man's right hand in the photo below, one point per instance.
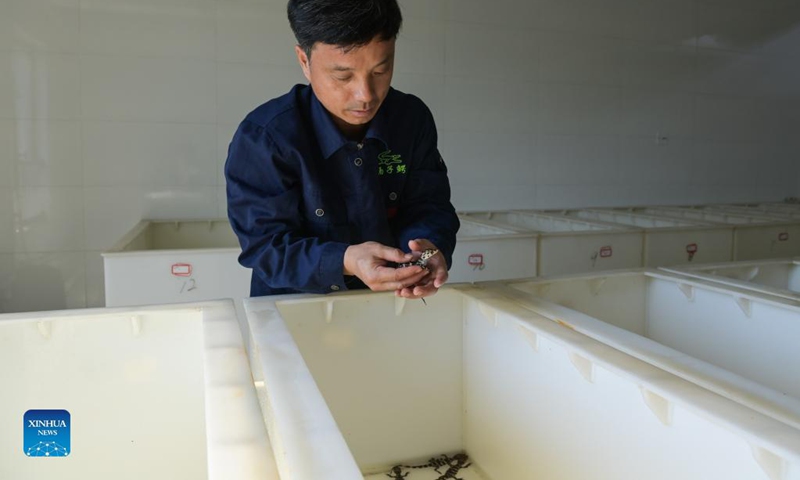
[{"x": 368, "y": 261}]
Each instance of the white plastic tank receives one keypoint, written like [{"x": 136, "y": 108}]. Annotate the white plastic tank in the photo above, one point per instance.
[
  {"x": 792, "y": 213},
  {"x": 775, "y": 277},
  {"x": 769, "y": 207},
  {"x": 735, "y": 341},
  {"x": 175, "y": 261},
  {"x": 492, "y": 252},
  {"x": 369, "y": 386},
  {"x": 569, "y": 245},
  {"x": 756, "y": 235},
  {"x": 668, "y": 241},
  {"x": 780, "y": 206},
  {"x": 196, "y": 260},
  {"x": 144, "y": 393},
  {"x": 705, "y": 215}
]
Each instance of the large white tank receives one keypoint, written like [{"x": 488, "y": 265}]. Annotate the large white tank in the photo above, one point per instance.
[
  {"x": 354, "y": 385},
  {"x": 157, "y": 393}
]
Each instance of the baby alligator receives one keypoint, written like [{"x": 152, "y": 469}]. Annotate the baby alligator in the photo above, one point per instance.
[
  {"x": 453, "y": 464},
  {"x": 423, "y": 259}
]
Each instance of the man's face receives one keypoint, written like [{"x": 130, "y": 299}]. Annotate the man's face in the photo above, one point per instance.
[{"x": 353, "y": 84}]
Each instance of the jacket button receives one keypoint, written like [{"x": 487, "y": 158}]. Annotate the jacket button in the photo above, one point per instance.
[
  {"x": 335, "y": 287},
  {"x": 392, "y": 196},
  {"x": 358, "y": 162},
  {"x": 320, "y": 212},
  {"x": 360, "y": 146}
]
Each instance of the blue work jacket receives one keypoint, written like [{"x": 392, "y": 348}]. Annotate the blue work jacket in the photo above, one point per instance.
[{"x": 299, "y": 193}]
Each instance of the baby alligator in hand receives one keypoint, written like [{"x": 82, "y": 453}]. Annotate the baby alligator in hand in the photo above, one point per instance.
[{"x": 422, "y": 261}]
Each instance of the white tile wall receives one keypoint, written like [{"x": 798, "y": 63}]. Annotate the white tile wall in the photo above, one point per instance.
[
  {"x": 47, "y": 153},
  {"x": 421, "y": 48},
  {"x": 112, "y": 211},
  {"x": 42, "y": 281},
  {"x": 430, "y": 88},
  {"x": 581, "y": 59},
  {"x": 254, "y": 32},
  {"x": 582, "y": 160},
  {"x": 8, "y": 153},
  {"x": 425, "y": 9},
  {"x": 109, "y": 213},
  {"x": 241, "y": 87},
  {"x": 40, "y": 25},
  {"x": 116, "y": 110},
  {"x": 39, "y": 85},
  {"x": 608, "y": 18},
  {"x": 8, "y": 219},
  {"x": 785, "y": 40},
  {"x": 646, "y": 112},
  {"x": 727, "y": 27},
  {"x": 481, "y": 51},
  {"x": 660, "y": 67},
  {"x": 668, "y": 22},
  {"x": 174, "y": 28},
  {"x": 225, "y": 133},
  {"x": 152, "y": 154},
  {"x": 471, "y": 158},
  {"x": 726, "y": 118},
  {"x": 487, "y": 105},
  {"x": 148, "y": 89},
  {"x": 578, "y": 109},
  {"x": 643, "y": 163},
  {"x": 95, "y": 288},
  {"x": 48, "y": 219}
]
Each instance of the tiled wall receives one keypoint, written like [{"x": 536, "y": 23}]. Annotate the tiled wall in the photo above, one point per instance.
[
  {"x": 117, "y": 110},
  {"x": 574, "y": 92}
]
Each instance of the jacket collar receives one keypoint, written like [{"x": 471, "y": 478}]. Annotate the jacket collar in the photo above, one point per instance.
[{"x": 332, "y": 140}]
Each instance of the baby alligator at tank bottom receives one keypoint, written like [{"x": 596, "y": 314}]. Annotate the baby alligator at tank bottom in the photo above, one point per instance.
[{"x": 454, "y": 464}]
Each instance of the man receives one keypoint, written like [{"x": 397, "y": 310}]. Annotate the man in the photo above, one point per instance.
[{"x": 326, "y": 182}]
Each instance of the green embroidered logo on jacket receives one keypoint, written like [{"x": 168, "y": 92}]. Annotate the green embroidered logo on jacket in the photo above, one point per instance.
[{"x": 391, "y": 164}]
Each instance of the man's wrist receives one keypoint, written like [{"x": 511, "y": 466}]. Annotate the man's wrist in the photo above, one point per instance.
[{"x": 346, "y": 269}]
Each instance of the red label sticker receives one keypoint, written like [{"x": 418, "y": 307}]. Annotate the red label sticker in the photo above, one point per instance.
[
  {"x": 783, "y": 236},
  {"x": 182, "y": 270},
  {"x": 606, "y": 252},
  {"x": 691, "y": 248},
  {"x": 476, "y": 259}
]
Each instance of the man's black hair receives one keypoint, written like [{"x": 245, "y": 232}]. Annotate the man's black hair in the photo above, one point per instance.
[{"x": 344, "y": 23}]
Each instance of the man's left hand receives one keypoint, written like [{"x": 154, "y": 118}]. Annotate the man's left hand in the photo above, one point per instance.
[{"x": 437, "y": 266}]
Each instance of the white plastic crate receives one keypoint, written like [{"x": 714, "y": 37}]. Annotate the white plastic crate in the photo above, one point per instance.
[
  {"x": 668, "y": 241},
  {"x": 568, "y": 245},
  {"x": 175, "y": 261},
  {"x": 354, "y": 384},
  {"x": 491, "y": 252},
  {"x": 152, "y": 393}
]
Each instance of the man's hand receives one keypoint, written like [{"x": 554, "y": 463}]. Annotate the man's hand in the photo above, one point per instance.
[
  {"x": 367, "y": 261},
  {"x": 437, "y": 266}
]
